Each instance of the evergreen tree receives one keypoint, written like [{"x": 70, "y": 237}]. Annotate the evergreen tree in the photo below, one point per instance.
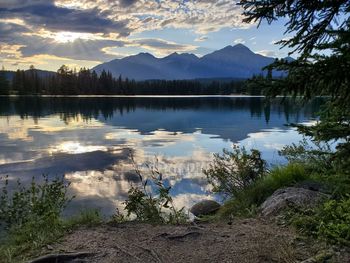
[
  {"x": 322, "y": 38},
  {"x": 4, "y": 83},
  {"x": 18, "y": 82}
]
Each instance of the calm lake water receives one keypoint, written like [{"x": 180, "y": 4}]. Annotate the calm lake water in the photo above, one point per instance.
[{"x": 89, "y": 140}]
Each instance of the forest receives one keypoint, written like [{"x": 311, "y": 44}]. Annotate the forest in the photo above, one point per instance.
[{"x": 87, "y": 82}]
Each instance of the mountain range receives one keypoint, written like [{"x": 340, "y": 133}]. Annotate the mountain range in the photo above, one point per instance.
[{"x": 230, "y": 62}]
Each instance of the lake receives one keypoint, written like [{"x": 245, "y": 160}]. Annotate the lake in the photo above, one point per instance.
[{"x": 89, "y": 140}]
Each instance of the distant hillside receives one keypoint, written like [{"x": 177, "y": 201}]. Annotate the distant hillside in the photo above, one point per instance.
[
  {"x": 237, "y": 62},
  {"x": 41, "y": 73}
]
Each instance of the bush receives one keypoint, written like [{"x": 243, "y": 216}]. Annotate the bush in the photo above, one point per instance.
[
  {"x": 316, "y": 155},
  {"x": 158, "y": 208},
  {"x": 247, "y": 200},
  {"x": 35, "y": 203},
  {"x": 232, "y": 172},
  {"x": 330, "y": 221},
  {"x": 31, "y": 217}
]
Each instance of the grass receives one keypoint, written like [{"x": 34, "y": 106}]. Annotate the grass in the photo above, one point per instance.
[
  {"x": 246, "y": 202},
  {"x": 328, "y": 222},
  {"x": 25, "y": 241},
  {"x": 30, "y": 217},
  {"x": 90, "y": 217}
]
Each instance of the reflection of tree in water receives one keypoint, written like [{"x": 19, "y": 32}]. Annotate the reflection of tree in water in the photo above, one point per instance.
[{"x": 88, "y": 108}]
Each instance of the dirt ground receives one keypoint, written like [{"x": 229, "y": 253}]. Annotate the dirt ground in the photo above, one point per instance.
[{"x": 249, "y": 240}]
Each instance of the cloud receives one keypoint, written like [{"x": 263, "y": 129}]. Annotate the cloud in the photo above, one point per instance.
[
  {"x": 272, "y": 53},
  {"x": 127, "y": 2},
  {"x": 92, "y": 30},
  {"x": 21, "y": 3},
  {"x": 55, "y": 18},
  {"x": 267, "y": 53},
  {"x": 201, "y": 38},
  {"x": 11, "y": 32},
  {"x": 200, "y": 15},
  {"x": 162, "y": 47},
  {"x": 239, "y": 41}
]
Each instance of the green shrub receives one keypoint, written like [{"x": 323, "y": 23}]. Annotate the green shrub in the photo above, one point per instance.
[
  {"x": 314, "y": 155},
  {"x": 35, "y": 203},
  {"x": 322, "y": 163},
  {"x": 247, "y": 200},
  {"x": 330, "y": 221},
  {"x": 158, "y": 208},
  {"x": 31, "y": 217},
  {"x": 232, "y": 172}
]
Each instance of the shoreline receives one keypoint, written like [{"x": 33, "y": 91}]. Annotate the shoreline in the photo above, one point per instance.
[{"x": 138, "y": 96}]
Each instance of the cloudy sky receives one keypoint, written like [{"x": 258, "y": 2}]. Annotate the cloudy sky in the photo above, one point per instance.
[{"x": 84, "y": 33}]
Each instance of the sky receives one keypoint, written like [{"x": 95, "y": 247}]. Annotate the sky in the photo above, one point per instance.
[{"x": 85, "y": 33}]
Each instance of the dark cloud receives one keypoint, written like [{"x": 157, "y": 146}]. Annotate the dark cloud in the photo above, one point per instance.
[
  {"x": 161, "y": 44},
  {"x": 126, "y": 3},
  {"x": 56, "y": 18},
  {"x": 10, "y": 32},
  {"x": 22, "y": 3}
]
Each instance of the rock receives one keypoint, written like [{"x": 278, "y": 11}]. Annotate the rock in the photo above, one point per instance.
[
  {"x": 290, "y": 197},
  {"x": 205, "y": 207}
]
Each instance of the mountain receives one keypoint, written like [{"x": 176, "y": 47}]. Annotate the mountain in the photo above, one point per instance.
[{"x": 230, "y": 62}]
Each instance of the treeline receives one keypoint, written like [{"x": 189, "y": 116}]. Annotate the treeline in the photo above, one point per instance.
[{"x": 87, "y": 82}]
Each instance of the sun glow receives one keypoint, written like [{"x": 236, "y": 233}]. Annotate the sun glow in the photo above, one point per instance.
[{"x": 65, "y": 37}]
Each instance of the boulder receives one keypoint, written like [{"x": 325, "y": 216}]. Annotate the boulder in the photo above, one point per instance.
[
  {"x": 205, "y": 207},
  {"x": 291, "y": 197}
]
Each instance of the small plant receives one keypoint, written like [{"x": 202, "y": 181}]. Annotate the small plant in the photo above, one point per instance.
[
  {"x": 316, "y": 156},
  {"x": 118, "y": 217},
  {"x": 146, "y": 206},
  {"x": 234, "y": 171},
  {"x": 330, "y": 221},
  {"x": 34, "y": 203},
  {"x": 31, "y": 216}
]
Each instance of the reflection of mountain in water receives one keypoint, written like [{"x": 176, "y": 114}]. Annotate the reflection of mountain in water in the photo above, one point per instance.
[
  {"x": 91, "y": 149},
  {"x": 226, "y": 117}
]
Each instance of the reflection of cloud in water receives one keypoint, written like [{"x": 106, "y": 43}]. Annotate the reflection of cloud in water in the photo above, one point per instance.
[
  {"x": 156, "y": 139},
  {"x": 75, "y": 148},
  {"x": 89, "y": 141},
  {"x": 97, "y": 183},
  {"x": 62, "y": 163},
  {"x": 269, "y": 142}
]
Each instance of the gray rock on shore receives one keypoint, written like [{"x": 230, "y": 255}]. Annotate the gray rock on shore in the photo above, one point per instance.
[
  {"x": 290, "y": 197},
  {"x": 205, "y": 207}
]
